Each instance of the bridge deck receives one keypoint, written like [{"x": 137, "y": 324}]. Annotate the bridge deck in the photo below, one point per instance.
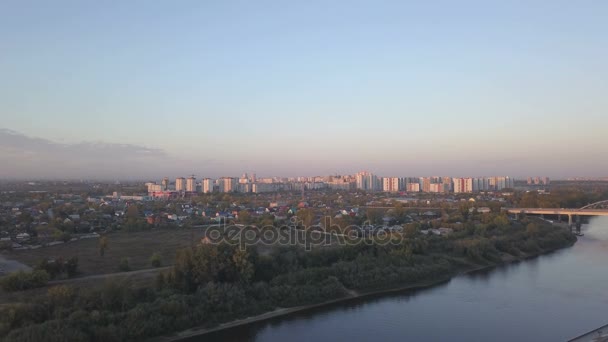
[{"x": 559, "y": 211}]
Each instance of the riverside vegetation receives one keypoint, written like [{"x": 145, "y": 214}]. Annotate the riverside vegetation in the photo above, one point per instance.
[{"x": 213, "y": 284}]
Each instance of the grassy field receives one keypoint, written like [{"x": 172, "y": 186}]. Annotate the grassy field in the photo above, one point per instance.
[{"x": 138, "y": 247}]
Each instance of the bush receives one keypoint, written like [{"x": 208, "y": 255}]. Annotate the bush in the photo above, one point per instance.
[
  {"x": 155, "y": 260},
  {"x": 71, "y": 266},
  {"x": 58, "y": 267},
  {"x": 65, "y": 237},
  {"x": 124, "y": 265},
  {"x": 6, "y": 245},
  {"x": 21, "y": 280}
]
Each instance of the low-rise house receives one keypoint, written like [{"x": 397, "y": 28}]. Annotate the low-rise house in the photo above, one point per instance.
[
  {"x": 22, "y": 237},
  {"x": 481, "y": 210}
]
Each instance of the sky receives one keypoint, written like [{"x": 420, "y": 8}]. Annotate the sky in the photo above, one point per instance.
[{"x": 146, "y": 89}]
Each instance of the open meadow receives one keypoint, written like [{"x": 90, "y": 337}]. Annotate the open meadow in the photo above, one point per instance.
[{"x": 137, "y": 247}]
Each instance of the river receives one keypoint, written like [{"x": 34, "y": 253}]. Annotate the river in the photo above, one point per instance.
[{"x": 554, "y": 297}]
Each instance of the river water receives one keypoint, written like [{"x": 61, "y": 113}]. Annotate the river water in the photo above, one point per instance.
[{"x": 554, "y": 297}]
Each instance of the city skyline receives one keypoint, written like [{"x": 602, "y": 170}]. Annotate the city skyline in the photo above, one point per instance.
[
  {"x": 363, "y": 180},
  {"x": 303, "y": 88}
]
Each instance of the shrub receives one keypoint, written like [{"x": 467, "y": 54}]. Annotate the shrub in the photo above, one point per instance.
[
  {"x": 58, "y": 266},
  {"x": 21, "y": 280},
  {"x": 155, "y": 260},
  {"x": 6, "y": 245},
  {"x": 65, "y": 237},
  {"x": 124, "y": 265},
  {"x": 71, "y": 266}
]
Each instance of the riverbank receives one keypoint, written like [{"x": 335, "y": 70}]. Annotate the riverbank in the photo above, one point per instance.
[
  {"x": 286, "y": 311},
  {"x": 352, "y": 295}
]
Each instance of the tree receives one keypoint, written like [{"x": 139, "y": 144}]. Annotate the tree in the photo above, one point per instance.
[
  {"x": 71, "y": 266},
  {"x": 244, "y": 217},
  {"x": 464, "y": 210},
  {"x": 532, "y": 229},
  {"x": 399, "y": 212},
  {"x": 374, "y": 216},
  {"x": 244, "y": 267},
  {"x": 132, "y": 212},
  {"x": 60, "y": 295},
  {"x": 155, "y": 260},
  {"x": 65, "y": 237},
  {"x": 306, "y": 216},
  {"x": 103, "y": 245},
  {"x": 6, "y": 245},
  {"x": 123, "y": 266},
  {"x": 411, "y": 229},
  {"x": 501, "y": 221},
  {"x": 21, "y": 280}
]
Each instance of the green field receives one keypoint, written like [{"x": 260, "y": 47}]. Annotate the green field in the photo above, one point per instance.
[{"x": 138, "y": 247}]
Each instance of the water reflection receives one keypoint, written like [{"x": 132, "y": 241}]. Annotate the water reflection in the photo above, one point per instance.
[{"x": 550, "y": 298}]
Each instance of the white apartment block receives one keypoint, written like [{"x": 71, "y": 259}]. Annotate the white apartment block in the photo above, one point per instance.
[
  {"x": 463, "y": 185},
  {"x": 228, "y": 184},
  {"x": 413, "y": 187},
  {"x": 207, "y": 185},
  {"x": 393, "y": 184},
  {"x": 180, "y": 184},
  {"x": 191, "y": 184}
]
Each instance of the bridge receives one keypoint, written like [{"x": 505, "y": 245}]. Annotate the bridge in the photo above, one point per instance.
[{"x": 593, "y": 209}]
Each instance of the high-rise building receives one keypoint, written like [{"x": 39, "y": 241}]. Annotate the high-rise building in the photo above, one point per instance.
[
  {"x": 462, "y": 185},
  {"x": 368, "y": 181},
  {"x": 479, "y": 184},
  {"x": 153, "y": 187},
  {"x": 436, "y": 187},
  {"x": 425, "y": 184},
  {"x": 361, "y": 180},
  {"x": 510, "y": 183},
  {"x": 180, "y": 184},
  {"x": 165, "y": 184},
  {"x": 244, "y": 187},
  {"x": 207, "y": 185},
  {"x": 413, "y": 187},
  {"x": 447, "y": 184},
  {"x": 228, "y": 184},
  {"x": 393, "y": 184},
  {"x": 191, "y": 184},
  {"x": 264, "y": 187}
]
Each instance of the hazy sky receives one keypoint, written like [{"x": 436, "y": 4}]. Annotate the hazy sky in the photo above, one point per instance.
[{"x": 154, "y": 88}]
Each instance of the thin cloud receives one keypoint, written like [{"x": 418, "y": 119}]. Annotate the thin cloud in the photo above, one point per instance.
[{"x": 25, "y": 156}]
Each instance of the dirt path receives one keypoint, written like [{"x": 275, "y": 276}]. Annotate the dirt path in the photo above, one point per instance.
[{"x": 150, "y": 271}]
